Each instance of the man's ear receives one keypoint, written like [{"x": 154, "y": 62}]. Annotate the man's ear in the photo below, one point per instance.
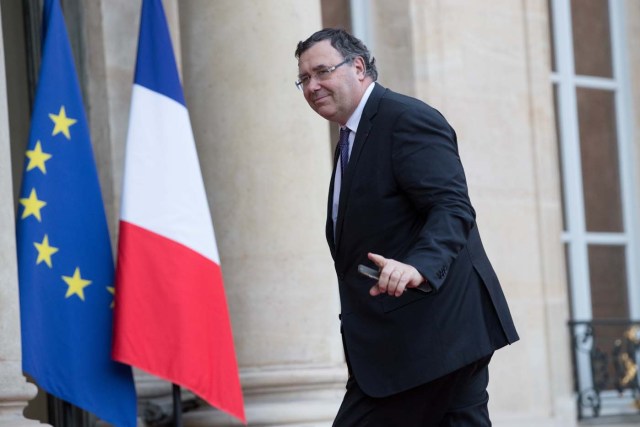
[{"x": 361, "y": 68}]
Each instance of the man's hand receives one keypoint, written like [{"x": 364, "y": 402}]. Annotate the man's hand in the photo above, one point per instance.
[{"x": 395, "y": 276}]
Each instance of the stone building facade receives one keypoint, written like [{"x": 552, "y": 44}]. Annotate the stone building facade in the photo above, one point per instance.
[{"x": 542, "y": 95}]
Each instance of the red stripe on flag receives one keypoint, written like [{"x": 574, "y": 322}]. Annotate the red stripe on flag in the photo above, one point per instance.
[{"x": 171, "y": 317}]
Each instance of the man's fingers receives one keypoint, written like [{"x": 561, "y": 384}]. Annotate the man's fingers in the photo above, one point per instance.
[
  {"x": 378, "y": 260},
  {"x": 394, "y": 279},
  {"x": 402, "y": 284}
]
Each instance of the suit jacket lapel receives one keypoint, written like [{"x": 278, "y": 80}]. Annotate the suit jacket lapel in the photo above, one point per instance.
[
  {"x": 362, "y": 134},
  {"x": 329, "y": 227}
]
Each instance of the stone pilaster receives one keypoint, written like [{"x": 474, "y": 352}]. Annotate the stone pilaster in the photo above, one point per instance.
[
  {"x": 491, "y": 78},
  {"x": 266, "y": 162},
  {"x": 15, "y": 392}
]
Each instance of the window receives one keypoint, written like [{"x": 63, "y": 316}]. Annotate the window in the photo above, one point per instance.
[{"x": 591, "y": 91}]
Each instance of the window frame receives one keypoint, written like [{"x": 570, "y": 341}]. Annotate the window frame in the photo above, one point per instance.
[{"x": 575, "y": 236}]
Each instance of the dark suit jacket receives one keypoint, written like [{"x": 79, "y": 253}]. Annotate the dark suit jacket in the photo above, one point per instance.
[{"x": 404, "y": 196}]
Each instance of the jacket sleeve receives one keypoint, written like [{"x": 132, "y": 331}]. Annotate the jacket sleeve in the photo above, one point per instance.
[{"x": 427, "y": 167}]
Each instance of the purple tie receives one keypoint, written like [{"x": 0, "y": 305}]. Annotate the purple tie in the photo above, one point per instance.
[{"x": 343, "y": 147}]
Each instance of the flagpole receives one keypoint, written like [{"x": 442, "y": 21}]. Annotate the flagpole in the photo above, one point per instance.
[
  {"x": 177, "y": 406},
  {"x": 67, "y": 413}
]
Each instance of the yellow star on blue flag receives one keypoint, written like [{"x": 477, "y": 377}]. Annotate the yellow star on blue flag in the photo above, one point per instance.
[
  {"x": 45, "y": 251},
  {"x": 64, "y": 252},
  {"x": 62, "y": 123},
  {"x": 37, "y": 158}
]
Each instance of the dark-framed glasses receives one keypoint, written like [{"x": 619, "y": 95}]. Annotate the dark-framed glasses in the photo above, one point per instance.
[{"x": 320, "y": 75}]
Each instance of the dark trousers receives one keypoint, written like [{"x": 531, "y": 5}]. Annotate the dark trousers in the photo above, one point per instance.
[{"x": 458, "y": 399}]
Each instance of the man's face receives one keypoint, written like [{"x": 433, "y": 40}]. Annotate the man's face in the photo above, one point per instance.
[{"x": 337, "y": 97}]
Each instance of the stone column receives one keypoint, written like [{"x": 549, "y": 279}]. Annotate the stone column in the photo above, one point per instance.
[
  {"x": 490, "y": 77},
  {"x": 15, "y": 392},
  {"x": 266, "y": 162}
]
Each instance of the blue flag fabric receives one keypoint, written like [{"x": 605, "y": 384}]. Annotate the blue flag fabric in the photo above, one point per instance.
[
  {"x": 65, "y": 263},
  {"x": 156, "y": 65}
]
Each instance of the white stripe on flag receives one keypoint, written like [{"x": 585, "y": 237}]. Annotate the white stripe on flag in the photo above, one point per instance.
[{"x": 164, "y": 191}]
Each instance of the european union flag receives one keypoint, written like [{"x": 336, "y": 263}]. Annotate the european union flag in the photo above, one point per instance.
[{"x": 64, "y": 253}]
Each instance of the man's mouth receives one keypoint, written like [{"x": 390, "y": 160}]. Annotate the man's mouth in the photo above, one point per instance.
[{"x": 318, "y": 98}]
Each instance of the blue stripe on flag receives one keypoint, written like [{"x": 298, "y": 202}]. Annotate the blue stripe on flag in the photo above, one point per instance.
[{"x": 156, "y": 67}]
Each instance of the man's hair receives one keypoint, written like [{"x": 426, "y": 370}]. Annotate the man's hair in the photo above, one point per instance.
[{"x": 349, "y": 47}]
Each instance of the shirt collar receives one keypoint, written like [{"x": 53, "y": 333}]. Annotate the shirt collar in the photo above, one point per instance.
[{"x": 354, "y": 120}]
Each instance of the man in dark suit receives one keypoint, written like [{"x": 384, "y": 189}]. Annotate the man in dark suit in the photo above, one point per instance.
[{"x": 418, "y": 340}]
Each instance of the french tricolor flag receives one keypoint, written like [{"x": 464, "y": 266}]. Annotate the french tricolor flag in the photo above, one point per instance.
[{"x": 171, "y": 316}]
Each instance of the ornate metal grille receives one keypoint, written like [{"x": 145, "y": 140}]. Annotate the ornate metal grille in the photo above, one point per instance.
[{"x": 606, "y": 360}]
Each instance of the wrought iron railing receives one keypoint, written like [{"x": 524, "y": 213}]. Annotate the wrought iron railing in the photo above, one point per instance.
[{"x": 606, "y": 360}]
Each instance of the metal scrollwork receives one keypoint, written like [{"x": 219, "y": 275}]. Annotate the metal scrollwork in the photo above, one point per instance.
[{"x": 614, "y": 368}]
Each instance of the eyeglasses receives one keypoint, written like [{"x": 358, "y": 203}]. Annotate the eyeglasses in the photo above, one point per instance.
[{"x": 320, "y": 75}]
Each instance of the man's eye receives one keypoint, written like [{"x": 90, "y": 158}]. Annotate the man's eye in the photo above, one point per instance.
[
  {"x": 304, "y": 79},
  {"x": 323, "y": 73}
]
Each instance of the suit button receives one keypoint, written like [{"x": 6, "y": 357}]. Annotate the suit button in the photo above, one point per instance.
[{"x": 341, "y": 277}]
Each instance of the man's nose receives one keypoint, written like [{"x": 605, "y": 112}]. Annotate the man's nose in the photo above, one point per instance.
[{"x": 313, "y": 84}]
